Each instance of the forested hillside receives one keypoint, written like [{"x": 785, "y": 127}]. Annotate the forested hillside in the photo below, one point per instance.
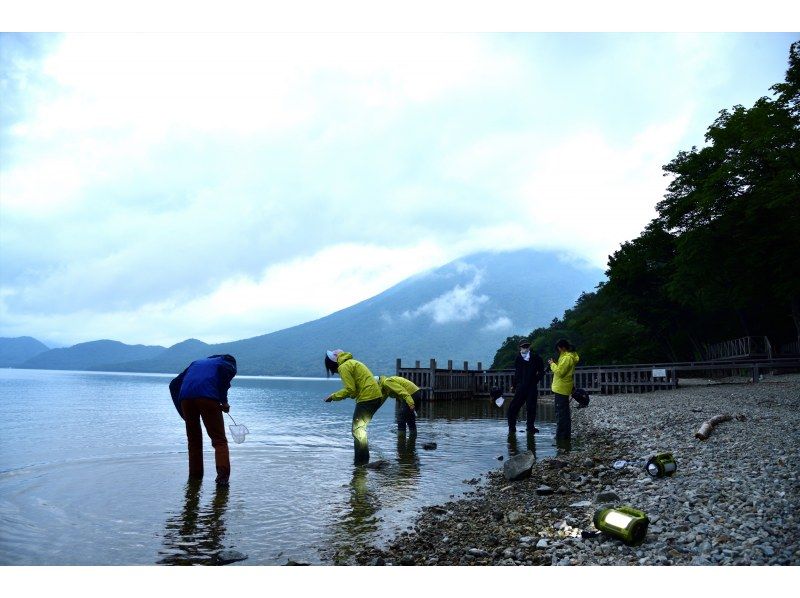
[{"x": 722, "y": 258}]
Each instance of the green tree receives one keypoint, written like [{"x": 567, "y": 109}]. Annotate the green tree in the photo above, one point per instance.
[
  {"x": 722, "y": 258},
  {"x": 734, "y": 207}
]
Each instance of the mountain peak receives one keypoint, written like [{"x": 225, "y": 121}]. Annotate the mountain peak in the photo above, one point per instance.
[{"x": 462, "y": 311}]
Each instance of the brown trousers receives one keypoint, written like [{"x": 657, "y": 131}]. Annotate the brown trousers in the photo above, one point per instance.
[{"x": 211, "y": 414}]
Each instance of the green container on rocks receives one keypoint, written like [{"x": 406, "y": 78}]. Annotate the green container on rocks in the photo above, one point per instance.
[
  {"x": 661, "y": 465},
  {"x": 625, "y": 523}
]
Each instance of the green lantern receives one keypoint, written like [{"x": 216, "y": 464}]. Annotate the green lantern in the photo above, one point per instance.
[
  {"x": 626, "y": 523},
  {"x": 661, "y": 465}
]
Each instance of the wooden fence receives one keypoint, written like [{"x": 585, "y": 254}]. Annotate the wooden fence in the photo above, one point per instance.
[
  {"x": 792, "y": 348},
  {"x": 449, "y": 383},
  {"x": 747, "y": 347}
]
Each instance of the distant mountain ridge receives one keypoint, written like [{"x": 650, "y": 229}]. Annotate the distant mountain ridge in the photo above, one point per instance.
[
  {"x": 15, "y": 351},
  {"x": 462, "y": 311},
  {"x": 86, "y": 356}
]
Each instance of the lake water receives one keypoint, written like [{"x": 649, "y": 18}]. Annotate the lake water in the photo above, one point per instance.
[{"x": 93, "y": 470}]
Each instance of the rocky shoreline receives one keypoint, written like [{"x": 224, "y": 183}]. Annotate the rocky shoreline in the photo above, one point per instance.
[{"x": 733, "y": 500}]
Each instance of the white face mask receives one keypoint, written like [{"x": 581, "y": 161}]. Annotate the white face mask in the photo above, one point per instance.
[{"x": 524, "y": 352}]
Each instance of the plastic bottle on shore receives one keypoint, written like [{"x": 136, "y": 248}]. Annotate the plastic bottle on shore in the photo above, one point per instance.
[{"x": 625, "y": 523}]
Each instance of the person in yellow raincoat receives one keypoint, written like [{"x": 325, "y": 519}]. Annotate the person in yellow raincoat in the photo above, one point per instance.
[
  {"x": 360, "y": 384},
  {"x": 562, "y": 387},
  {"x": 407, "y": 394}
]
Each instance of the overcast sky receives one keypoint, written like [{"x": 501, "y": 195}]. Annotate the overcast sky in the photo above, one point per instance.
[{"x": 157, "y": 187}]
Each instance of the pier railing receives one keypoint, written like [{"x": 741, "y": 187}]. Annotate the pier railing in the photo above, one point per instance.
[
  {"x": 465, "y": 383},
  {"x": 792, "y": 348},
  {"x": 746, "y": 347}
]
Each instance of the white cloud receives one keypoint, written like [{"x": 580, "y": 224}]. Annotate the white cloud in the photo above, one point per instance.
[
  {"x": 582, "y": 194},
  {"x": 327, "y": 281},
  {"x": 501, "y": 323},
  {"x": 157, "y": 187},
  {"x": 587, "y": 194},
  {"x": 285, "y": 294},
  {"x": 460, "y": 304}
]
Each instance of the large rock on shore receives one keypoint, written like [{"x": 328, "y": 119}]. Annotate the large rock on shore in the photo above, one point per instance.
[{"x": 519, "y": 467}]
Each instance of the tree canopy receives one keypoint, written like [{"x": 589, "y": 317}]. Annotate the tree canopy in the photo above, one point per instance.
[{"x": 720, "y": 260}]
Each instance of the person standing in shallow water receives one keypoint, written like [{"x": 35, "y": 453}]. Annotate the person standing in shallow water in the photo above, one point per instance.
[
  {"x": 360, "y": 384},
  {"x": 201, "y": 392},
  {"x": 562, "y": 387},
  {"x": 528, "y": 371},
  {"x": 407, "y": 395}
]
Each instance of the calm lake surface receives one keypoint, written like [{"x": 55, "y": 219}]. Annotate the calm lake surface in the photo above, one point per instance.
[{"x": 93, "y": 470}]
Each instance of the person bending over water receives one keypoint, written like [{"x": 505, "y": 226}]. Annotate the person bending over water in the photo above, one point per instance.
[
  {"x": 201, "y": 392},
  {"x": 407, "y": 394},
  {"x": 360, "y": 384}
]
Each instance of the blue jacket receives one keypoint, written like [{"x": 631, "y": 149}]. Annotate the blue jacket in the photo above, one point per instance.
[{"x": 208, "y": 378}]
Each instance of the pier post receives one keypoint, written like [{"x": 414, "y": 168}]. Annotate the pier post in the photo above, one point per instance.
[
  {"x": 397, "y": 367},
  {"x": 432, "y": 378}
]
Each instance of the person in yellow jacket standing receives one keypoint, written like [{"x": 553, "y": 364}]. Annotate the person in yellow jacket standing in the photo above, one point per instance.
[
  {"x": 407, "y": 394},
  {"x": 360, "y": 384},
  {"x": 562, "y": 386}
]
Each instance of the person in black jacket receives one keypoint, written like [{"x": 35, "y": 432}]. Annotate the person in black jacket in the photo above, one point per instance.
[
  {"x": 201, "y": 392},
  {"x": 528, "y": 371}
]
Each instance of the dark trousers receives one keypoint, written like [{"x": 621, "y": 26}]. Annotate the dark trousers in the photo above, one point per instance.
[
  {"x": 523, "y": 396},
  {"x": 563, "y": 418},
  {"x": 361, "y": 417},
  {"x": 210, "y": 412},
  {"x": 405, "y": 416}
]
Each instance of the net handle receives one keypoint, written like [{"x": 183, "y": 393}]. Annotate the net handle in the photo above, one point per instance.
[{"x": 233, "y": 420}]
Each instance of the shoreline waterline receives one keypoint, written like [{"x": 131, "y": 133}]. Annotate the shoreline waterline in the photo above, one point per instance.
[{"x": 732, "y": 500}]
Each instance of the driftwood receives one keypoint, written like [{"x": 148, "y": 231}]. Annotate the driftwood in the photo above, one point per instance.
[{"x": 705, "y": 430}]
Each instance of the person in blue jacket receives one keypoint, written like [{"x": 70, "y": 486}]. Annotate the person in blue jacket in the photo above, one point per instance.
[{"x": 201, "y": 392}]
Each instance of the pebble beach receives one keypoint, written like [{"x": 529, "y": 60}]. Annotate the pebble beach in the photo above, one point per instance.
[{"x": 733, "y": 500}]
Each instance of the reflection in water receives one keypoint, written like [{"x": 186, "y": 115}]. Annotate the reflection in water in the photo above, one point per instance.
[
  {"x": 481, "y": 409},
  {"x": 407, "y": 453},
  {"x": 564, "y": 445},
  {"x": 370, "y": 490},
  {"x": 408, "y": 473},
  {"x": 363, "y": 505},
  {"x": 513, "y": 445},
  {"x": 194, "y": 537},
  {"x": 358, "y": 520}
]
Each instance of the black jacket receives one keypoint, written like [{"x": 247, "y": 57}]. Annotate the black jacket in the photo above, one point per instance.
[{"x": 527, "y": 374}]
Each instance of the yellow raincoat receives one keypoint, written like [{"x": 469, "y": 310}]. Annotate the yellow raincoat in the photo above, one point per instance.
[
  {"x": 562, "y": 372},
  {"x": 398, "y": 388},
  {"x": 358, "y": 381}
]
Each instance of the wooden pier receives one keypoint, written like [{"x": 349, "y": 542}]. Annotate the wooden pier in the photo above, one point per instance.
[
  {"x": 450, "y": 383},
  {"x": 746, "y": 347},
  {"x": 750, "y": 348}
]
